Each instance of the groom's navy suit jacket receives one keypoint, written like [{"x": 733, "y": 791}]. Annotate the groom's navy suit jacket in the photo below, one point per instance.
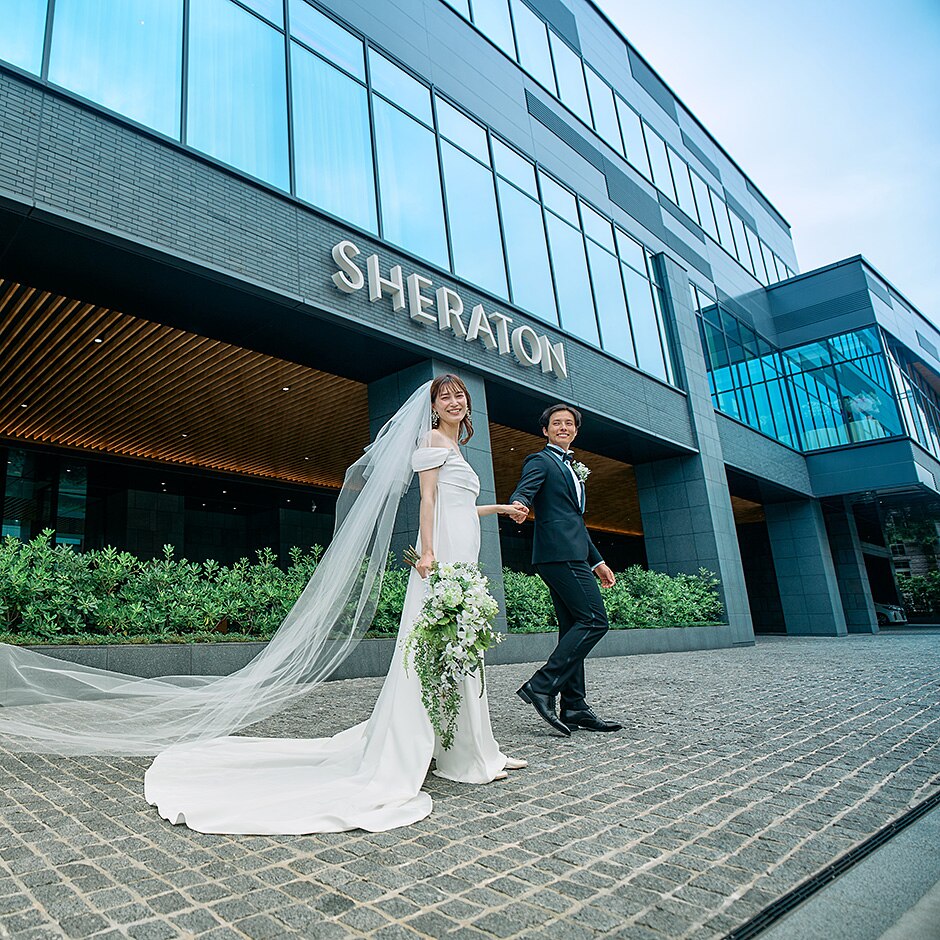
[{"x": 547, "y": 487}]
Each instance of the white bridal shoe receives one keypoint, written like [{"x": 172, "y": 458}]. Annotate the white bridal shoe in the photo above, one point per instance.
[{"x": 515, "y": 763}]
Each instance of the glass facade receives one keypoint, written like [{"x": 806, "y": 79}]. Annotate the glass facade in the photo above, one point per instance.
[
  {"x": 559, "y": 69},
  {"x": 823, "y": 394},
  {"x": 323, "y": 115}
]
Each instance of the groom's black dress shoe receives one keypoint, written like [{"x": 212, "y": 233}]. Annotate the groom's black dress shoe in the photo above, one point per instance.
[
  {"x": 585, "y": 719},
  {"x": 545, "y": 706}
]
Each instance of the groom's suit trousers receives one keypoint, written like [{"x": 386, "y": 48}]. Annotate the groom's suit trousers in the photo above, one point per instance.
[{"x": 582, "y": 621}]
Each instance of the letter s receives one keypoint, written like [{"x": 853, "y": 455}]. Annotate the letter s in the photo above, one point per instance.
[{"x": 348, "y": 278}]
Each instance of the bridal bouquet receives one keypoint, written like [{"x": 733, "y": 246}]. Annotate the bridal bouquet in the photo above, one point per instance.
[{"x": 449, "y": 638}]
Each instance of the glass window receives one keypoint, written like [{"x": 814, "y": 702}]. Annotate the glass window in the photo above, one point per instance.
[
  {"x": 473, "y": 220},
  {"x": 616, "y": 337},
  {"x": 515, "y": 168},
  {"x": 604, "y": 110},
  {"x": 491, "y": 17},
  {"x": 272, "y": 10},
  {"x": 649, "y": 351},
  {"x": 570, "y": 78},
  {"x": 770, "y": 260},
  {"x": 532, "y": 40},
  {"x": 124, "y": 54},
  {"x": 597, "y": 227},
  {"x": 740, "y": 240},
  {"x": 332, "y": 140},
  {"x": 571, "y": 279},
  {"x": 630, "y": 251},
  {"x": 725, "y": 238},
  {"x": 235, "y": 114},
  {"x": 680, "y": 176},
  {"x": 529, "y": 273},
  {"x": 398, "y": 86},
  {"x": 327, "y": 37},
  {"x": 458, "y": 128},
  {"x": 559, "y": 199},
  {"x": 753, "y": 242},
  {"x": 705, "y": 215},
  {"x": 409, "y": 184},
  {"x": 662, "y": 176},
  {"x": 24, "y": 28},
  {"x": 632, "y": 129}
]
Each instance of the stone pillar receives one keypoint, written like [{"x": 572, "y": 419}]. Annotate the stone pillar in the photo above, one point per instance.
[
  {"x": 386, "y": 395},
  {"x": 851, "y": 574},
  {"x": 806, "y": 576},
  {"x": 688, "y": 521}
]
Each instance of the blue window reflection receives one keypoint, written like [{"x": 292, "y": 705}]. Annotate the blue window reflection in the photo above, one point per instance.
[
  {"x": 703, "y": 203},
  {"x": 398, "y": 86},
  {"x": 662, "y": 175},
  {"x": 21, "y": 38},
  {"x": 725, "y": 238},
  {"x": 515, "y": 168},
  {"x": 680, "y": 176},
  {"x": 571, "y": 279},
  {"x": 491, "y": 17},
  {"x": 605, "y": 112},
  {"x": 631, "y": 127},
  {"x": 570, "y": 78},
  {"x": 409, "y": 184},
  {"x": 527, "y": 253},
  {"x": 272, "y": 10},
  {"x": 123, "y": 54},
  {"x": 611, "y": 307},
  {"x": 643, "y": 319},
  {"x": 474, "y": 222},
  {"x": 328, "y": 38},
  {"x": 559, "y": 199},
  {"x": 532, "y": 40},
  {"x": 332, "y": 142},
  {"x": 237, "y": 114},
  {"x": 457, "y": 127}
]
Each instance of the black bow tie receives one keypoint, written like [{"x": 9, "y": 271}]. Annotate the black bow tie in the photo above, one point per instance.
[{"x": 567, "y": 456}]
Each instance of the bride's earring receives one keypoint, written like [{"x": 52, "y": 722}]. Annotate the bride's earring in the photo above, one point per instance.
[
  {"x": 435, "y": 419},
  {"x": 469, "y": 412}
]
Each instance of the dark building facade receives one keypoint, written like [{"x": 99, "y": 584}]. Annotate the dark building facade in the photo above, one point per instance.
[{"x": 234, "y": 236}]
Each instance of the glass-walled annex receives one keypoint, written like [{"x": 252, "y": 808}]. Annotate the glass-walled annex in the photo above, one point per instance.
[
  {"x": 359, "y": 137},
  {"x": 827, "y": 393}
]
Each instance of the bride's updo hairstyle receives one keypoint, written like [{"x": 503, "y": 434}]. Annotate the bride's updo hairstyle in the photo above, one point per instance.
[{"x": 455, "y": 384}]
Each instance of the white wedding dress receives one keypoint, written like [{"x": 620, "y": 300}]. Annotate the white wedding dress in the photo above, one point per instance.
[{"x": 367, "y": 777}]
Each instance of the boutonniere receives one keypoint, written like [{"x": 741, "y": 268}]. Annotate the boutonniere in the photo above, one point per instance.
[{"x": 581, "y": 471}]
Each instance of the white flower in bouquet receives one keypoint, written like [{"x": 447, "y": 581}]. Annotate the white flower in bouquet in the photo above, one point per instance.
[{"x": 449, "y": 638}]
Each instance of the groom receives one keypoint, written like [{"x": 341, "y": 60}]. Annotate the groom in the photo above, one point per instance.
[{"x": 567, "y": 561}]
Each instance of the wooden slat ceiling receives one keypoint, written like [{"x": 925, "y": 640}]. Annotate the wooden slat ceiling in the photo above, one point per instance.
[
  {"x": 85, "y": 377},
  {"x": 612, "y": 502}
]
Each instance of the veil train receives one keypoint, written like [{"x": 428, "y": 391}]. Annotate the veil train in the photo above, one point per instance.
[{"x": 54, "y": 707}]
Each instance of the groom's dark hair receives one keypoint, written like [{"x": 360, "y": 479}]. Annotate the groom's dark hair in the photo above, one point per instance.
[{"x": 548, "y": 412}]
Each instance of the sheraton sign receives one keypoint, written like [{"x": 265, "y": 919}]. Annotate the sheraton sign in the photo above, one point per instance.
[{"x": 444, "y": 308}]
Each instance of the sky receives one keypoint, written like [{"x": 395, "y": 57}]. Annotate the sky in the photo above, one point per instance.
[{"x": 831, "y": 107}]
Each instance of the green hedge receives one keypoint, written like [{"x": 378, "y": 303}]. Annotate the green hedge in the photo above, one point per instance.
[
  {"x": 52, "y": 594},
  {"x": 639, "y": 599}
]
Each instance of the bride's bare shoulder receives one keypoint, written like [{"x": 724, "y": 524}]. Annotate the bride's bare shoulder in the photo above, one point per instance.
[{"x": 434, "y": 438}]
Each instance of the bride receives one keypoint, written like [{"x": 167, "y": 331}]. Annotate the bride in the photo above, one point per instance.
[{"x": 368, "y": 776}]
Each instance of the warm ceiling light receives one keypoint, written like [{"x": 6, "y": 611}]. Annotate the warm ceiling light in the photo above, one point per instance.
[
  {"x": 285, "y": 388},
  {"x": 185, "y": 435},
  {"x": 24, "y": 406},
  {"x": 98, "y": 339}
]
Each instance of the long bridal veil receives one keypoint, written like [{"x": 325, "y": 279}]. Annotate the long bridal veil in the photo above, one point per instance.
[{"x": 50, "y": 706}]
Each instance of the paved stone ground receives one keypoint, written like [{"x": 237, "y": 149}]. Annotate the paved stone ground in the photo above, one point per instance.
[{"x": 740, "y": 772}]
